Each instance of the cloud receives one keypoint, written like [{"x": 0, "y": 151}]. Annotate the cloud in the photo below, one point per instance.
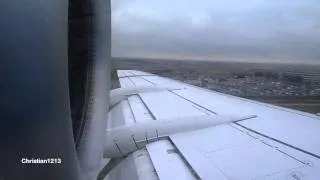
[{"x": 252, "y": 30}]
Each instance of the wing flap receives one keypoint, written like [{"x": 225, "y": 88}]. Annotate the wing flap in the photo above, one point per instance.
[{"x": 167, "y": 163}]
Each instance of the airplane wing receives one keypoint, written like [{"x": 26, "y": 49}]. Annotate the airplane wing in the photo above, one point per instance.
[{"x": 271, "y": 143}]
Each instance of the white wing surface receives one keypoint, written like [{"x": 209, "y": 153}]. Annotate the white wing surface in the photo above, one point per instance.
[{"x": 275, "y": 143}]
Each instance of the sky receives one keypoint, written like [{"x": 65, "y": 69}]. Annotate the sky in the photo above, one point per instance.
[{"x": 217, "y": 30}]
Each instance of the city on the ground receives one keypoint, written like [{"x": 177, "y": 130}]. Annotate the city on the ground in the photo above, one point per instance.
[{"x": 295, "y": 86}]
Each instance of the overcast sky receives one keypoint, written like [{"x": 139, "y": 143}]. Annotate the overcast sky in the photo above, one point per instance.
[{"x": 218, "y": 30}]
